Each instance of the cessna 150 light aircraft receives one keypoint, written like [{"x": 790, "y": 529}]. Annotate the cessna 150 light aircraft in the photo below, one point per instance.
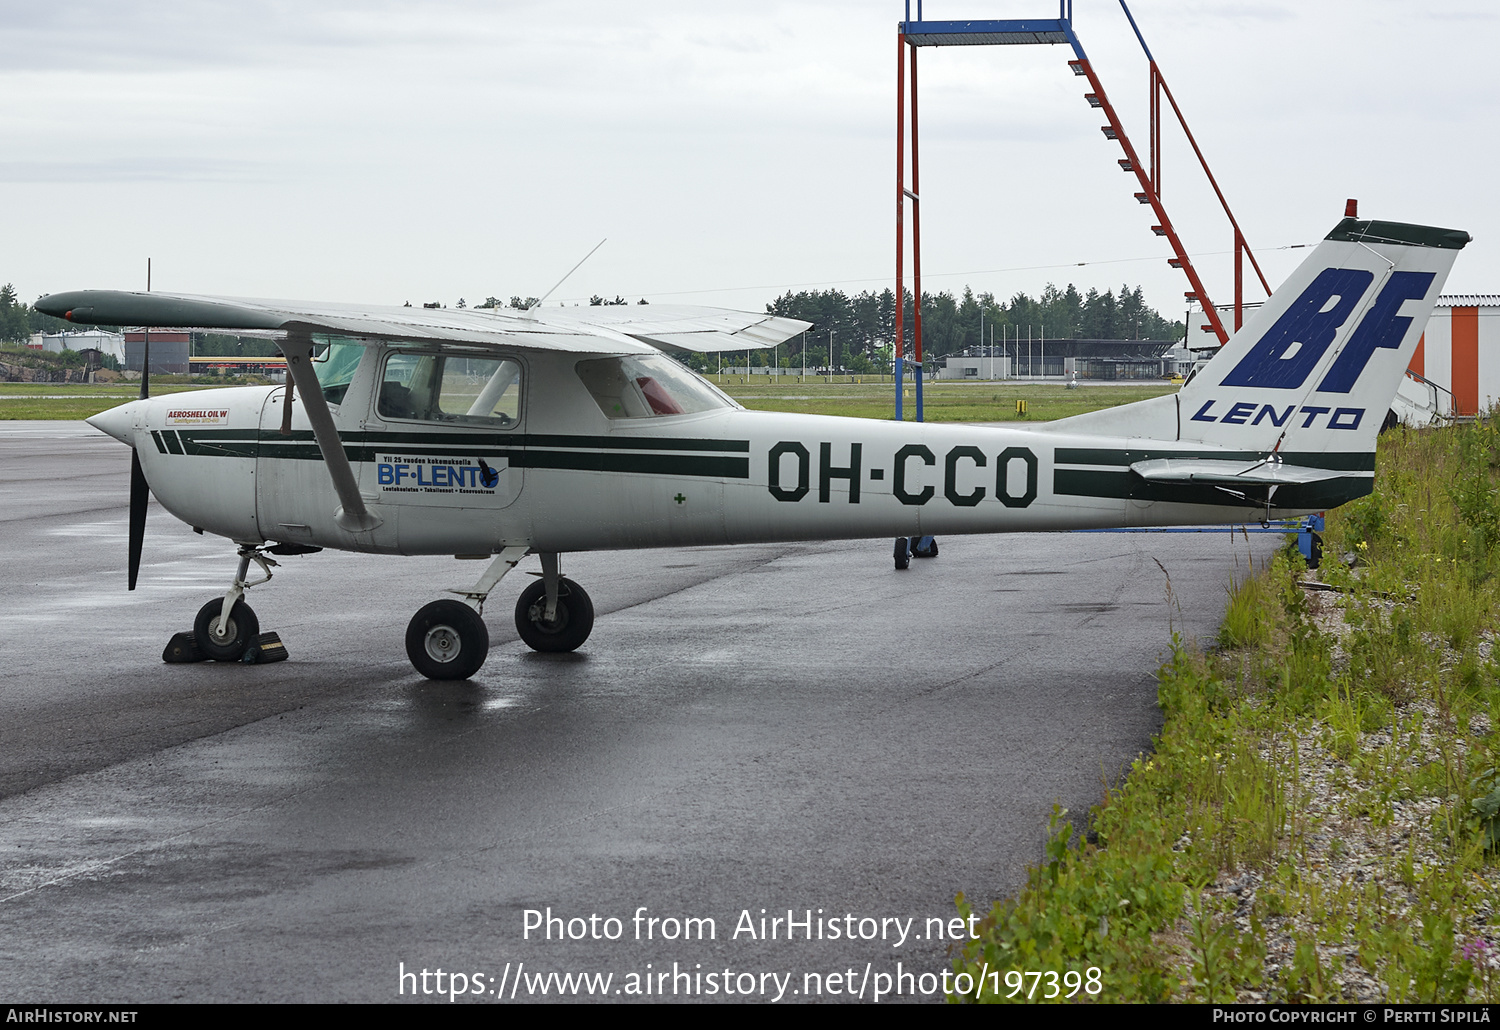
[{"x": 504, "y": 433}]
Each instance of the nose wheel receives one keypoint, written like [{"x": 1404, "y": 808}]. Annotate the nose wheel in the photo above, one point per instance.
[
  {"x": 226, "y": 629},
  {"x": 225, "y": 640},
  {"x": 447, "y": 640}
]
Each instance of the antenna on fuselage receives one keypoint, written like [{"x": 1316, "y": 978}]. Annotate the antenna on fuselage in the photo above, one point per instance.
[{"x": 565, "y": 278}]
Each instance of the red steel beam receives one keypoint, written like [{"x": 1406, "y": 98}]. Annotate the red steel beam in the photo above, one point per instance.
[{"x": 1143, "y": 177}]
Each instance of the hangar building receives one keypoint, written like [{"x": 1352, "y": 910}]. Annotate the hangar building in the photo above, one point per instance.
[
  {"x": 169, "y": 350},
  {"x": 1458, "y": 359}
]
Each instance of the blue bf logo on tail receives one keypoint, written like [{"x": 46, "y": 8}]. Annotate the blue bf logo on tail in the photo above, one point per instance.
[{"x": 1286, "y": 355}]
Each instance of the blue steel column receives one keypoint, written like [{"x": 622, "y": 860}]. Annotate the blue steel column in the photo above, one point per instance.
[
  {"x": 916, "y": 238},
  {"x": 900, "y": 344}
]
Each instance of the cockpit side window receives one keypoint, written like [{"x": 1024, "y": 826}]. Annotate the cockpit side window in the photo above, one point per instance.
[
  {"x": 647, "y": 387},
  {"x": 335, "y": 360},
  {"x": 455, "y": 388}
]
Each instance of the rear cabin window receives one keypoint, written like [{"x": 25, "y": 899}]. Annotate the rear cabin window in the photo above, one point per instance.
[
  {"x": 451, "y": 388},
  {"x": 647, "y": 387}
]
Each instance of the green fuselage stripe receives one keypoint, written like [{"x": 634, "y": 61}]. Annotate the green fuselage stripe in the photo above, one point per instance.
[
  {"x": 1108, "y": 477},
  {"x": 539, "y": 451}
]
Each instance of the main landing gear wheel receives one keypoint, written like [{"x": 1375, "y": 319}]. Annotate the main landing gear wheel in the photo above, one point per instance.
[
  {"x": 924, "y": 547},
  {"x": 568, "y": 630},
  {"x": 447, "y": 640},
  {"x": 239, "y": 633}
]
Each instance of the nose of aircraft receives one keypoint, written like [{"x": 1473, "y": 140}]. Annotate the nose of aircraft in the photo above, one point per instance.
[{"x": 118, "y": 422}]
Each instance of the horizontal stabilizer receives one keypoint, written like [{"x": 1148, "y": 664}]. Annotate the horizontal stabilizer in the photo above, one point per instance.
[{"x": 1266, "y": 471}]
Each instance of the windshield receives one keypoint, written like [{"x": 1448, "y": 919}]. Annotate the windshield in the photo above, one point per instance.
[
  {"x": 647, "y": 387},
  {"x": 334, "y": 361}
]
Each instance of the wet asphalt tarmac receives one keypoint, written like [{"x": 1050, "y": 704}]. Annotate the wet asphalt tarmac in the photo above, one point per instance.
[{"x": 765, "y": 727}]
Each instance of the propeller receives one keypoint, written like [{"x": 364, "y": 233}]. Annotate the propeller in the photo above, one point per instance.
[{"x": 140, "y": 491}]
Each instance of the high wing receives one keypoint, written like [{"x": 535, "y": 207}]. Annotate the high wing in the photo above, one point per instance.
[
  {"x": 579, "y": 330},
  {"x": 671, "y": 328}
]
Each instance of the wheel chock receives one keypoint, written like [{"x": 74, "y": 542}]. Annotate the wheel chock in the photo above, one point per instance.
[
  {"x": 267, "y": 648},
  {"x": 183, "y": 647}
]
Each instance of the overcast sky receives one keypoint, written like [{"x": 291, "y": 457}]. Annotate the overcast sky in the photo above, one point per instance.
[{"x": 388, "y": 152}]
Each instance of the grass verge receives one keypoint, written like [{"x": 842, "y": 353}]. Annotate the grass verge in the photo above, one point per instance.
[
  {"x": 73, "y": 401},
  {"x": 1318, "y": 818},
  {"x": 941, "y": 401}
]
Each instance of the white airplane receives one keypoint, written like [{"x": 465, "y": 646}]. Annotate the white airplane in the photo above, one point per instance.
[{"x": 505, "y": 433}]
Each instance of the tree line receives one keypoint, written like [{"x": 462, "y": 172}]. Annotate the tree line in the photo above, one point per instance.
[
  {"x": 861, "y": 328},
  {"x": 18, "y": 321}
]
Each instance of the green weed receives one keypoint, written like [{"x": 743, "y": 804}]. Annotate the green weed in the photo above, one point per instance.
[{"x": 1404, "y": 719}]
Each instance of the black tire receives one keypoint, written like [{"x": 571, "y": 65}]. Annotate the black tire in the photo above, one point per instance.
[
  {"x": 238, "y": 635},
  {"x": 567, "y": 632},
  {"x": 447, "y": 640},
  {"x": 919, "y": 551}
]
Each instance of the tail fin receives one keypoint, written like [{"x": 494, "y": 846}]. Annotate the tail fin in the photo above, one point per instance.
[{"x": 1315, "y": 369}]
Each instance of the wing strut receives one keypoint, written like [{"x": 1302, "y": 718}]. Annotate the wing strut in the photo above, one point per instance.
[{"x": 352, "y": 515}]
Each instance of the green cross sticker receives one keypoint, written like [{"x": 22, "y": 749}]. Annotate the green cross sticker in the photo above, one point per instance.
[{"x": 679, "y": 498}]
